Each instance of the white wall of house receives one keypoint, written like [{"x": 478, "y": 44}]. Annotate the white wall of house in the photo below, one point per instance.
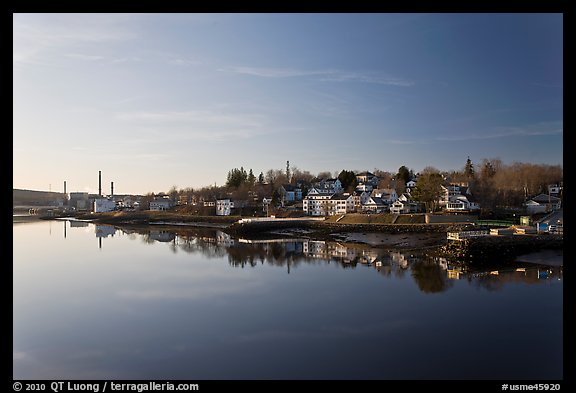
[
  {"x": 224, "y": 207},
  {"x": 160, "y": 205},
  {"x": 104, "y": 205},
  {"x": 400, "y": 207}
]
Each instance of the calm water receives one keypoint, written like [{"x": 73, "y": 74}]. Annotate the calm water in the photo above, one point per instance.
[{"x": 95, "y": 302}]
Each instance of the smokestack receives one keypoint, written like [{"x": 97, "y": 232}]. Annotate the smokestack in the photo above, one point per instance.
[
  {"x": 99, "y": 183},
  {"x": 112, "y": 188},
  {"x": 64, "y": 187}
]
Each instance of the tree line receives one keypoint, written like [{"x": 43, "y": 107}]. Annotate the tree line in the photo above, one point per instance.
[{"x": 492, "y": 183}]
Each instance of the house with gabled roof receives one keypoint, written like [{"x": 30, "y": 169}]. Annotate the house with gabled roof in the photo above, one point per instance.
[
  {"x": 290, "y": 193},
  {"x": 374, "y": 205},
  {"x": 542, "y": 203},
  {"x": 367, "y": 178},
  {"x": 461, "y": 203},
  {"x": 404, "y": 204},
  {"x": 388, "y": 195}
]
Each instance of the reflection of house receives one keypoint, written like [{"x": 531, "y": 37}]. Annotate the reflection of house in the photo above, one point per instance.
[
  {"x": 224, "y": 239},
  {"x": 104, "y": 230},
  {"x": 160, "y": 204},
  {"x": 542, "y": 203},
  {"x": 78, "y": 224},
  {"x": 162, "y": 236},
  {"x": 323, "y": 250}
]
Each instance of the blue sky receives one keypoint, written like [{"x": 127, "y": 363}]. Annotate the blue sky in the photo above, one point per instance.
[{"x": 161, "y": 100}]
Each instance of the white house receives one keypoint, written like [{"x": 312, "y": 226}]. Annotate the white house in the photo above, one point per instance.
[
  {"x": 375, "y": 205},
  {"x": 462, "y": 203},
  {"x": 542, "y": 203},
  {"x": 333, "y": 186},
  {"x": 400, "y": 206},
  {"x": 266, "y": 201},
  {"x": 224, "y": 207},
  {"x": 554, "y": 190},
  {"x": 367, "y": 178},
  {"x": 388, "y": 195},
  {"x": 322, "y": 203},
  {"x": 160, "y": 204},
  {"x": 364, "y": 187},
  {"x": 404, "y": 205},
  {"x": 360, "y": 198},
  {"x": 314, "y": 204},
  {"x": 341, "y": 204},
  {"x": 104, "y": 205}
]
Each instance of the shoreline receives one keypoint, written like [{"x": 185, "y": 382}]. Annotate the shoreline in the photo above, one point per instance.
[{"x": 431, "y": 237}]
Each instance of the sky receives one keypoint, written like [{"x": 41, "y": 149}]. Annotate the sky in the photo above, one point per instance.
[{"x": 155, "y": 101}]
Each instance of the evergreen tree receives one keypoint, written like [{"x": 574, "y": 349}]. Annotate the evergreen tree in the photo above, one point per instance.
[{"x": 469, "y": 169}]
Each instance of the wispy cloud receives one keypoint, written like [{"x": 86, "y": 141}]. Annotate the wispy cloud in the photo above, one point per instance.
[
  {"x": 98, "y": 58},
  {"x": 322, "y": 75},
  {"x": 539, "y": 129},
  {"x": 199, "y": 124},
  {"x": 183, "y": 61},
  {"x": 80, "y": 56},
  {"x": 36, "y": 36}
]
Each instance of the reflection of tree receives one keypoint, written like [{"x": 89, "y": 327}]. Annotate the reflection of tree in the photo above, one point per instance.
[{"x": 430, "y": 277}]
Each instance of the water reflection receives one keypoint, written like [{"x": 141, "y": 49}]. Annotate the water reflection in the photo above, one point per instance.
[
  {"x": 178, "y": 303},
  {"x": 431, "y": 274}
]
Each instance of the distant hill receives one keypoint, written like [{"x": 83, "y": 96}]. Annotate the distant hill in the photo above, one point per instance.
[{"x": 31, "y": 197}]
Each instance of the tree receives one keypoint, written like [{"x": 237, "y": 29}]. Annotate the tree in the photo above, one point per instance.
[
  {"x": 403, "y": 174},
  {"x": 261, "y": 178},
  {"x": 173, "y": 194},
  {"x": 428, "y": 189},
  {"x": 469, "y": 169},
  {"x": 324, "y": 175},
  {"x": 348, "y": 180},
  {"x": 236, "y": 177},
  {"x": 288, "y": 175},
  {"x": 276, "y": 198},
  {"x": 145, "y": 201},
  {"x": 251, "y": 178}
]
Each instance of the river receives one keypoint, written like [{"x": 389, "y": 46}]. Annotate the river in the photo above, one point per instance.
[{"x": 102, "y": 302}]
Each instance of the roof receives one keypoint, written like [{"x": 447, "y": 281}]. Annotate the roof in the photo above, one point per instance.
[
  {"x": 377, "y": 201},
  {"x": 339, "y": 197},
  {"x": 289, "y": 187},
  {"x": 365, "y": 173},
  {"x": 545, "y": 198}
]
